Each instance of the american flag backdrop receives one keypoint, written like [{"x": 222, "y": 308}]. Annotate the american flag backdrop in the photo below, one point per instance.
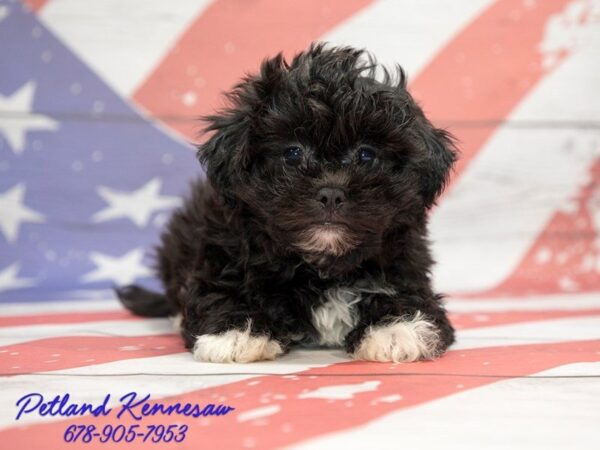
[{"x": 98, "y": 101}]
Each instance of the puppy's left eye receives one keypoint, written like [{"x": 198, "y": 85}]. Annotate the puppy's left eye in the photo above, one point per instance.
[
  {"x": 293, "y": 156},
  {"x": 366, "y": 154}
]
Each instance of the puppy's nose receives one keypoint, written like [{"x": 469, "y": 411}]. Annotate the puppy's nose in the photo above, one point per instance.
[{"x": 331, "y": 197}]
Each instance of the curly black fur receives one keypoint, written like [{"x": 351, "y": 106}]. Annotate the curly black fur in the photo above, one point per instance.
[{"x": 240, "y": 248}]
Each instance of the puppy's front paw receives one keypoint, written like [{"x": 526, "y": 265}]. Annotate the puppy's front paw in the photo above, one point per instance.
[
  {"x": 235, "y": 346},
  {"x": 400, "y": 341}
]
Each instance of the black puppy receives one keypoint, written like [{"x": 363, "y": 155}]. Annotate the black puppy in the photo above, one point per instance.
[{"x": 311, "y": 225}]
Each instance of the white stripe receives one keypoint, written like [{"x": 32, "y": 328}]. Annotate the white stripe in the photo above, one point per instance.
[
  {"x": 544, "y": 332},
  {"x": 122, "y": 41},
  {"x": 183, "y": 364},
  {"x": 406, "y": 32},
  {"x": 454, "y": 304},
  {"x": 52, "y": 307},
  {"x": 519, "y": 413},
  {"x": 25, "y": 333},
  {"x": 560, "y": 302},
  {"x": 83, "y": 382},
  {"x": 520, "y": 179}
]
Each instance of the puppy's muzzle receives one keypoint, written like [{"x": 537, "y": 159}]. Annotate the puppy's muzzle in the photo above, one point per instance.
[{"x": 331, "y": 198}]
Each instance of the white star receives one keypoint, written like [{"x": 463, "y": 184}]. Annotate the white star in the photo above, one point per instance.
[
  {"x": 13, "y": 212},
  {"x": 3, "y": 12},
  {"x": 122, "y": 270},
  {"x": 9, "y": 279},
  {"x": 22, "y": 119},
  {"x": 137, "y": 205}
]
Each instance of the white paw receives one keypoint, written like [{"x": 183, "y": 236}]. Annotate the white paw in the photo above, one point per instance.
[
  {"x": 235, "y": 346},
  {"x": 401, "y": 341}
]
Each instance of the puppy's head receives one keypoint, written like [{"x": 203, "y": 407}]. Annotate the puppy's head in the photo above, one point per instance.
[{"x": 328, "y": 158}]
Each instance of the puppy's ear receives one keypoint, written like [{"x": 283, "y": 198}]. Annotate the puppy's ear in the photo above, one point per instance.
[
  {"x": 436, "y": 159},
  {"x": 225, "y": 155}
]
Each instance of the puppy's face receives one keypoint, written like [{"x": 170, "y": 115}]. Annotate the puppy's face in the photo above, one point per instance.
[{"x": 327, "y": 158}]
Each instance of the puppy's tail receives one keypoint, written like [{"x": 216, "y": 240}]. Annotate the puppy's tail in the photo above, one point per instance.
[{"x": 143, "y": 302}]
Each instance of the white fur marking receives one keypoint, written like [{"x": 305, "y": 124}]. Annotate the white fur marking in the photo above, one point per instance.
[
  {"x": 401, "y": 341},
  {"x": 336, "y": 316},
  {"x": 321, "y": 239},
  {"x": 235, "y": 346}
]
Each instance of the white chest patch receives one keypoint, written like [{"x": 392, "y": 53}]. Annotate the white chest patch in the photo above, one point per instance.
[{"x": 337, "y": 315}]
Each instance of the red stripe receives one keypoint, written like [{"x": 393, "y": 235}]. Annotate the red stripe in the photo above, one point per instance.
[
  {"x": 79, "y": 317},
  {"x": 44, "y": 355},
  {"x": 229, "y": 39},
  {"x": 486, "y": 70},
  {"x": 566, "y": 255},
  {"x": 34, "y": 5},
  {"x": 300, "y": 419}
]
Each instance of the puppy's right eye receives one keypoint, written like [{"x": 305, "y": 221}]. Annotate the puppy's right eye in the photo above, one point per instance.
[{"x": 293, "y": 156}]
